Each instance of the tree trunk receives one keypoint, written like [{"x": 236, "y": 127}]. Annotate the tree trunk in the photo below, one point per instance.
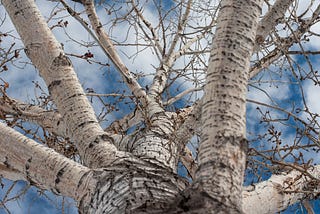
[{"x": 223, "y": 146}]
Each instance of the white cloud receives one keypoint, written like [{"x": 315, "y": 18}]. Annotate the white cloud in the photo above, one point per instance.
[
  {"x": 312, "y": 93},
  {"x": 268, "y": 92}
]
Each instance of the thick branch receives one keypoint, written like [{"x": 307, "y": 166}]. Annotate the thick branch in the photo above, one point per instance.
[
  {"x": 280, "y": 191},
  {"x": 64, "y": 87},
  {"x": 11, "y": 174},
  {"x": 52, "y": 121},
  {"x": 123, "y": 124},
  {"x": 222, "y": 151},
  {"x": 271, "y": 19},
  {"x": 188, "y": 128},
  {"x": 25, "y": 157}
]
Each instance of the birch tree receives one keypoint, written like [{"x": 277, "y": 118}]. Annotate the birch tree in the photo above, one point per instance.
[{"x": 242, "y": 153}]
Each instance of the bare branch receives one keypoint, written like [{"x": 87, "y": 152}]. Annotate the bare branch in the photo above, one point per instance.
[
  {"x": 110, "y": 50},
  {"x": 161, "y": 76},
  {"x": 122, "y": 125},
  {"x": 154, "y": 38},
  {"x": 182, "y": 94},
  {"x": 24, "y": 156},
  {"x": 285, "y": 43},
  {"x": 57, "y": 71},
  {"x": 271, "y": 19},
  {"x": 280, "y": 191},
  {"x": 48, "y": 119}
]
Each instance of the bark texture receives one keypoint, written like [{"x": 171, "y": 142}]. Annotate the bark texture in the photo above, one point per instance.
[
  {"x": 271, "y": 19},
  {"x": 42, "y": 166},
  {"x": 57, "y": 71},
  {"x": 281, "y": 191},
  {"x": 222, "y": 152}
]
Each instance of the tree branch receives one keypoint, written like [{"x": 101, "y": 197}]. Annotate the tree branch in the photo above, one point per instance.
[
  {"x": 179, "y": 96},
  {"x": 48, "y": 119},
  {"x": 162, "y": 73},
  {"x": 109, "y": 49},
  {"x": 123, "y": 124},
  {"x": 11, "y": 174},
  {"x": 56, "y": 69},
  {"x": 26, "y": 159},
  {"x": 271, "y": 19},
  {"x": 280, "y": 191},
  {"x": 286, "y": 43},
  {"x": 157, "y": 47}
]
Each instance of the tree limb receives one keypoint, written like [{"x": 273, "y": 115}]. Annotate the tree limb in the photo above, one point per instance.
[
  {"x": 48, "y": 119},
  {"x": 109, "y": 49},
  {"x": 271, "y": 19},
  {"x": 280, "y": 191},
  {"x": 285, "y": 43},
  {"x": 56, "y": 69},
  {"x": 26, "y": 159}
]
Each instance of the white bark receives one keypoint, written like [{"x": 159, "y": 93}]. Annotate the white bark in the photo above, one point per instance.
[
  {"x": 11, "y": 174},
  {"x": 43, "y": 167},
  {"x": 128, "y": 121},
  {"x": 160, "y": 79},
  {"x": 280, "y": 191},
  {"x": 134, "y": 186},
  {"x": 30, "y": 161},
  {"x": 57, "y": 71},
  {"x": 112, "y": 54},
  {"x": 52, "y": 121},
  {"x": 150, "y": 146},
  {"x": 125, "y": 186},
  {"x": 271, "y": 19},
  {"x": 222, "y": 150}
]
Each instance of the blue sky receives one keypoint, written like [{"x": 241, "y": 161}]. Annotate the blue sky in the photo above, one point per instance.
[{"x": 106, "y": 80}]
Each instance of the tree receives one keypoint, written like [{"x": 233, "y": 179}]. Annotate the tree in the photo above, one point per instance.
[{"x": 130, "y": 166}]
